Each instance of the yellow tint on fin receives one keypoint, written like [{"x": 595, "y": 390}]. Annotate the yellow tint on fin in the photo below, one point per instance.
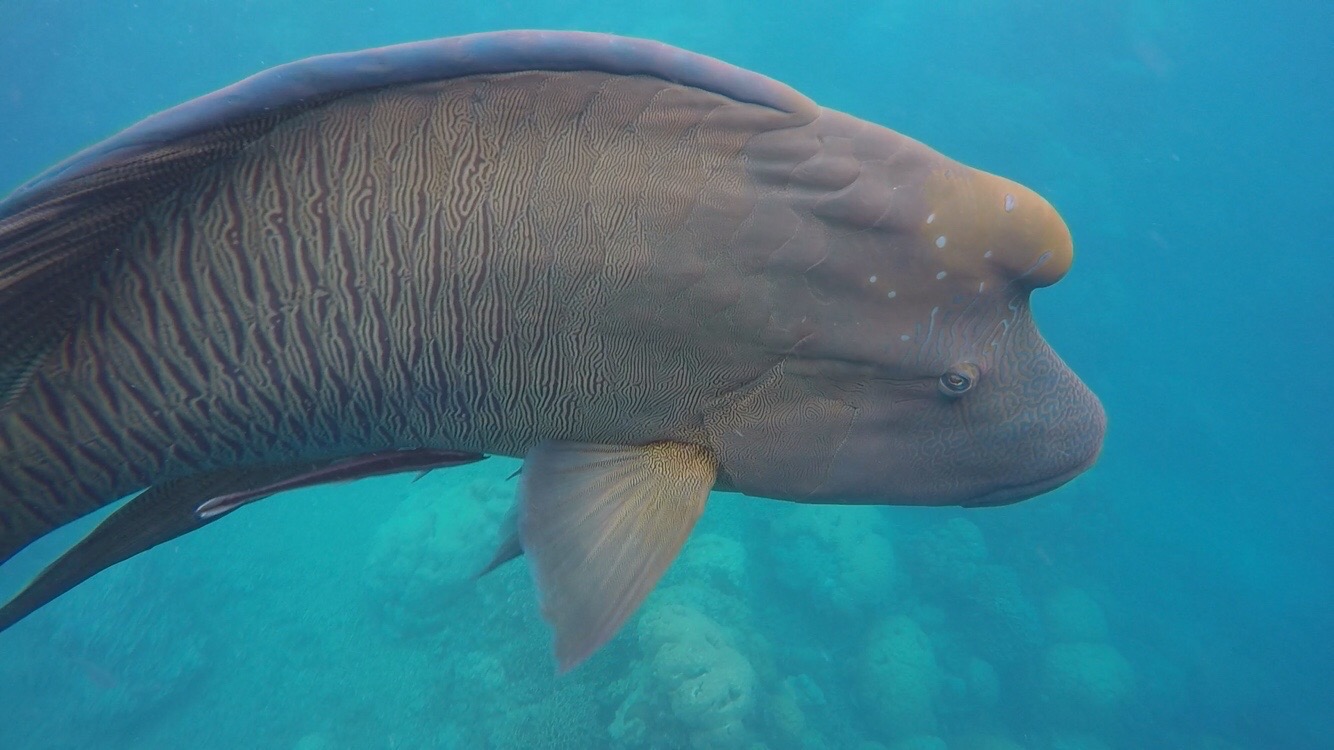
[{"x": 600, "y": 524}]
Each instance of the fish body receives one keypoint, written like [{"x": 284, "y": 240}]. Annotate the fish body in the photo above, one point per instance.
[{"x": 645, "y": 272}]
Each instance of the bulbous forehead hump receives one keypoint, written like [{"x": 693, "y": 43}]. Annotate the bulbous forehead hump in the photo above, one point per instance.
[{"x": 1004, "y": 230}]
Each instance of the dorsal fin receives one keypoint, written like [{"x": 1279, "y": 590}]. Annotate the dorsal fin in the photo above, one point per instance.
[
  {"x": 272, "y": 95},
  {"x": 60, "y": 229}
]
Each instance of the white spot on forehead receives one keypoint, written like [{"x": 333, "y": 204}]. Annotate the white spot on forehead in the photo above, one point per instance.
[
  {"x": 981, "y": 285},
  {"x": 1009, "y": 203},
  {"x": 930, "y": 218},
  {"x": 987, "y": 254},
  {"x": 940, "y": 241},
  {"x": 892, "y": 294},
  {"x": 904, "y": 337},
  {"x": 872, "y": 279},
  {"x": 940, "y": 275}
]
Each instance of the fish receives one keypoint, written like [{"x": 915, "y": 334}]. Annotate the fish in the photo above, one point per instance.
[{"x": 647, "y": 273}]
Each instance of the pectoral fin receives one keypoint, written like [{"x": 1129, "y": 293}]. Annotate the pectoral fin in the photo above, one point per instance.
[
  {"x": 171, "y": 509},
  {"x": 600, "y": 524}
]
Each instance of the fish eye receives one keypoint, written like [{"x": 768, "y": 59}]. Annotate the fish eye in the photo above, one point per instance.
[{"x": 959, "y": 379}]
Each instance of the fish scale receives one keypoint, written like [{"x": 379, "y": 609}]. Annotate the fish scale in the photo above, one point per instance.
[{"x": 646, "y": 272}]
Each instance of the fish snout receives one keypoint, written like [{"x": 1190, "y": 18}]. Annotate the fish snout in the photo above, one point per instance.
[
  {"x": 1062, "y": 443},
  {"x": 1076, "y": 440},
  {"x": 1094, "y": 434}
]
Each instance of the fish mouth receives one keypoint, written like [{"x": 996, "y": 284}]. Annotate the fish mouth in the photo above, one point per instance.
[
  {"x": 1016, "y": 493},
  {"x": 1090, "y": 435}
]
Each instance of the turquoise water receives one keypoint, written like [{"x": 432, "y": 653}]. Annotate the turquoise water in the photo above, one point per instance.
[{"x": 1178, "y": 596}]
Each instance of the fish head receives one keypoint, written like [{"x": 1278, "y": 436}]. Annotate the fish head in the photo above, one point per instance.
[{"x": 917, "y": 375}]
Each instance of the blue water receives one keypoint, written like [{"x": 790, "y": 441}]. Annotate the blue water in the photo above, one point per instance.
[{"x": 1178, "y": 596}]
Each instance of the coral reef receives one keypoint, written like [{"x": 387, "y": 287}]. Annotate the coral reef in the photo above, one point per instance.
[
  {"x": 510, "y": 697},
  {"x": 562, "y": 719},
  {"x": 126, "y": 646},
  {"x": 900, "y": 679},
  {"x": 919, "y": 742},
  {"x": 946, "y": 555},
  {"x": 950, "y": 567},
  {"x": 838, "y": 556},
  {"x": 982, "y": 684},
  {"x": 711, "y": 685},
  {"x": 425, "y": 556},
  {"x": 863, "y": 656},
  {"x": 1083, "y": 684},
  {"x": 711, "y": 575},
  {"x": 785, "y": 715},
  {"x": 1002, "y": 625},
  {"x": 1065, "y": 741},
  {"x": 1072, "y": 616},
  {"x": 984, "y": 741},
  {"x": 313, "y": 741},
  {"x": 691, "y": 672},
  {"x": 713, "y": 561}
]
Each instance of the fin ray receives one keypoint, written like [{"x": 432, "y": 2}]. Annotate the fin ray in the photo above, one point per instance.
[
  {"x": 169, "y": 510},
  {"x": 600, "y": 524}
]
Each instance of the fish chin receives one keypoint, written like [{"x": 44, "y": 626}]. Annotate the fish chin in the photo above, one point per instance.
[{"x": 1011, "y": 495}]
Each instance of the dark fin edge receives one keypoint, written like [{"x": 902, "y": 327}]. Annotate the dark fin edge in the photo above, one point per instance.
[{"x": 169, "y": 510}]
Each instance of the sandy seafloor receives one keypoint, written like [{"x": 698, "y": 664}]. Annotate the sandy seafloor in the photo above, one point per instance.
[{"x": 1178, "y": 596}]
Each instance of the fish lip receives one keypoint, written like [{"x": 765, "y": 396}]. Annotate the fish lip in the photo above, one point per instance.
[
  {"x": 1016, "y": 493},
  {"x": 1010, "y": 495}
]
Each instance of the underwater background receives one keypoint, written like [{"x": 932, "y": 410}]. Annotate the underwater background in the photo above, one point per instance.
[{"x": 1180, "y": 595}]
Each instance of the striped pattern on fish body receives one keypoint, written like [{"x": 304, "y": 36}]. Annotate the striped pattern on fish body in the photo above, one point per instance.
[
  {"x": 646, "y": 272},
  {"x": 449, "y": 264}
]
